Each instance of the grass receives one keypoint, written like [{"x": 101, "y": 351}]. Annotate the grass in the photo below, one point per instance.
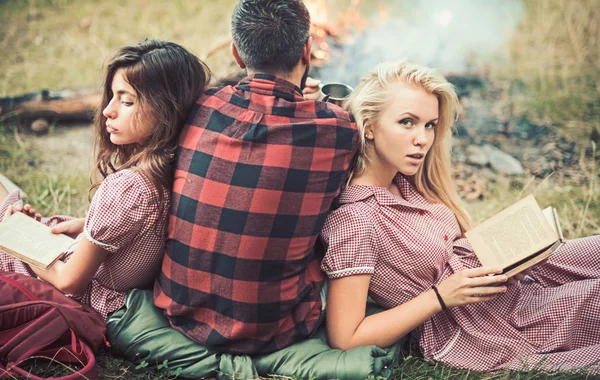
[
  {"x": 553, "y": 79},
  {"x": 414, "y": 368},
  {"x": 72, "y": 39},
  {"x": 50, "y": 191},
  {"x": 553, "y": 75},
  {"x": 576, "y": 200}
]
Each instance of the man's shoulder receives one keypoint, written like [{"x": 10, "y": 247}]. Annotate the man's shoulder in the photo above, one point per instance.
[
  {"x": 214, "y": 90},
  {"x": 320, "y": 112},
  {"x": 329, "y": 110}
]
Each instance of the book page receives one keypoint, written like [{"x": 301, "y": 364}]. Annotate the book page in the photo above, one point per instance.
[
  {"x": 32, "y": 241},
  {"x": 512, "y": 235},
  {"x": 551, "y": 216}
]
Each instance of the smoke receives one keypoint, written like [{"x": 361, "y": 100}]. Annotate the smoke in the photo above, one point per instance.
[{"x": 455, "y": 36}]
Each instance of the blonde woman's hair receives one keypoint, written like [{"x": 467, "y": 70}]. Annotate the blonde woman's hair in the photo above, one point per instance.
[{"x": 368, "y": 101}]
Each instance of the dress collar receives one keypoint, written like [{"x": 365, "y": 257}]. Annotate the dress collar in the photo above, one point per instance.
[
  {"x": 410, "y": 196},
  {"x": 265, "y": 84}
]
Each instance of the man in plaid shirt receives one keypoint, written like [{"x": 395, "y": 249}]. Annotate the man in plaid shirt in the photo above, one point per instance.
[{"x": 258, "y": 167}]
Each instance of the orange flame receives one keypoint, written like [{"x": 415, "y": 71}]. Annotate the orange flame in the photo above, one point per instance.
[
  {"x": 318, "y": 28},
  {"x": 317, "y": 10}
]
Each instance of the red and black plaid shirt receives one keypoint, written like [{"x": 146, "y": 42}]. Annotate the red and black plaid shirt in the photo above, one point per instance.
[{"x": 257, "y": 169}]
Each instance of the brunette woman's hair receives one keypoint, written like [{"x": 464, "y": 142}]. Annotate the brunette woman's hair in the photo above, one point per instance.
[
  {"x": 167, "y": 80},
  {"x": 370, "y": 98}
]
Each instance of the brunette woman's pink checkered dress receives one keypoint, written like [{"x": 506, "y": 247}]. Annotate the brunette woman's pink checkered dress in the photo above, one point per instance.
[
  {"x": 124, "y": 220},
  {"x": 550, "y": 321}
]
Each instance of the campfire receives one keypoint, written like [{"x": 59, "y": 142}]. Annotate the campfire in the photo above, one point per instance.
[{"x": 328, "y": 34}]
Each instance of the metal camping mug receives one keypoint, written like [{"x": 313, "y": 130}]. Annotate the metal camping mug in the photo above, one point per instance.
[{"x": 336, "y": 93}]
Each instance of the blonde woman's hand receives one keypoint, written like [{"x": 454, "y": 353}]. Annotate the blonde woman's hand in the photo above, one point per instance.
[
  {"x": 70, "y": 228},
  {"x": 472, "y": 286}
]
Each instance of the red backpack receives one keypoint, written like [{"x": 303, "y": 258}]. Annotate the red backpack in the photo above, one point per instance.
[{"x": 37, "y": 320}]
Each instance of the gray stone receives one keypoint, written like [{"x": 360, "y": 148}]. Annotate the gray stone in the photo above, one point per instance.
[
  {"x": 458, "y": 156},
  {"x": 476, "y": 156},
  {"x": 502, "y": 162}
]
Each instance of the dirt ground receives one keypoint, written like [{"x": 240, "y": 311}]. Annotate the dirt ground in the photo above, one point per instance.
[{"x": 66, "y": 149}]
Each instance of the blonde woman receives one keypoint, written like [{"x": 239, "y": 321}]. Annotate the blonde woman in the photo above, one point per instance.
[{"x": 398, "y": 236}]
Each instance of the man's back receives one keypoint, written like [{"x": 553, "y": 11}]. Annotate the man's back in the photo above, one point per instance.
[{"x": 257, "y": 169}]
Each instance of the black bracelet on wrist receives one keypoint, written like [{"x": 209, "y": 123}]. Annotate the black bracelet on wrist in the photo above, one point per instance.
[{"x": 437, "y": 293}]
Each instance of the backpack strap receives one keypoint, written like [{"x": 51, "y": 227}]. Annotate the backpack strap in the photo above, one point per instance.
[
  {"x": 37, "y": 321},
  {"x": 77, "y": 352},
  {"x": 32, "y": 337}
]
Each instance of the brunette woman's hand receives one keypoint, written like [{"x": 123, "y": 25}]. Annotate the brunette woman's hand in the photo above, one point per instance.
[
  {"x": 70, "y": 228},
  {"x": 472, "y": 286},
  {"x": 27, "y": 210}
]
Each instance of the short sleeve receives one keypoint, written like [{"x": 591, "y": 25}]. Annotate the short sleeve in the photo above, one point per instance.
[
  {"x": 350, "y": 241},
  {"x": 118, "y": 210},
  {"x": 463, "y": 252}
]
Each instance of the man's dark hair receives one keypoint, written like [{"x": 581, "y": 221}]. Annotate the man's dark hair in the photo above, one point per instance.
[{"x": 270, "y": 35}]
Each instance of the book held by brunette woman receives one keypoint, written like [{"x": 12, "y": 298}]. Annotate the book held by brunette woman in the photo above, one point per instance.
[
  {"x": 518, "y": 237},
  {"x": 31, "y": 241}
]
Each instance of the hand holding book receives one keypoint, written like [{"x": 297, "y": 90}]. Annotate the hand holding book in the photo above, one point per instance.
[
  {"x": 25, "y": 238},
  {"x": 27, "y": 210},
  {"x": 71, "y": 228},
  {"x": 471, "y": 286}
]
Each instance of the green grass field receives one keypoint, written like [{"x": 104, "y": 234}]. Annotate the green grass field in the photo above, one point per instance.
[{"x": 63, "y": 44}]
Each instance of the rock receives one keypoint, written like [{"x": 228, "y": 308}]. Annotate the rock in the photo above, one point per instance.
[
  {"x": 488, "y": 174},
  {"x": 549, "y": 147},
  {"x": 476, "y": 156},
  {"x": 469, "y": 185},
  {"x": 567, "y": 146},
  {"x": 458, "y": 156},
  {"x": 85, "y": 23},
  {"x": 595, "y": 135},
  {"x": 501, "y": 162},
  {"x": 540, "y": 167},
  {"x": 40, "y": 126}
]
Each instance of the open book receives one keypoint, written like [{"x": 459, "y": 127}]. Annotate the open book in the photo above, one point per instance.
[
  {"x": 31, "y": 241},
  {"x": 518, "y": 237}
]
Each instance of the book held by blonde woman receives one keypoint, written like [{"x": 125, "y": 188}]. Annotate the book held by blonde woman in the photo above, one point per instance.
[{"x": 518, "y": 237}]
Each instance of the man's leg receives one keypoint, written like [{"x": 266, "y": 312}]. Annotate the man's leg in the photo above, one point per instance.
[{"x": 141, "y": 332}]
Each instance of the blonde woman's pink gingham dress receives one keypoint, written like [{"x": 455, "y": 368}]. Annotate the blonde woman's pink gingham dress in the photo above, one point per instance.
[
  {"x": 124, "y": 220},
  {"x": 551, "y": 321}
]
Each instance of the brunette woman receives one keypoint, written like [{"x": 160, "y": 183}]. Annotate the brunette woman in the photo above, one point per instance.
[{"x": 149, "y": 89}]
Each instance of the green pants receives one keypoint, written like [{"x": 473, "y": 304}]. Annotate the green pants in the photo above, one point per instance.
[{"x": 140, "y": 332}]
